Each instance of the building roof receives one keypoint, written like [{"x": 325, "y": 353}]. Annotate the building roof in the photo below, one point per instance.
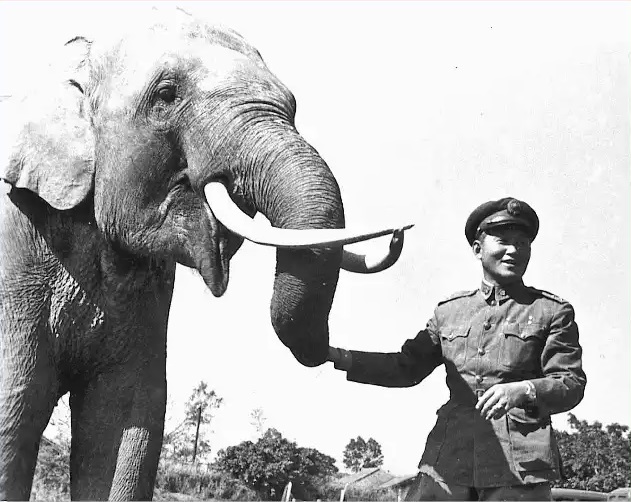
[
  {"x": 368, "y": 478},
  {"x": 397, "y": 481},
  {"x": 356, "y": 476}
]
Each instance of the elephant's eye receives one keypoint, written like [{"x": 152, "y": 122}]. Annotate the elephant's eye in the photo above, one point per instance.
[{"x": 167, "y": 94}]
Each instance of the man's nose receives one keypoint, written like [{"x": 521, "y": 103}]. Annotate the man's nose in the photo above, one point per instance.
[{"x": 512, "y": 249}]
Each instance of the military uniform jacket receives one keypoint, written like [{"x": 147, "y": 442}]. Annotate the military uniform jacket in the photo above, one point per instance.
[{"x": 484, "y": 337}]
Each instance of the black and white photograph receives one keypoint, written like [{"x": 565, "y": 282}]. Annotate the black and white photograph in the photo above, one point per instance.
[{"x": 315, "y": 250}]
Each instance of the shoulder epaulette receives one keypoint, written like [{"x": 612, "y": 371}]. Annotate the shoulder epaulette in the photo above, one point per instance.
[
  {"x": 547, "y": 294},
  {"x": 459, "y": 294}
]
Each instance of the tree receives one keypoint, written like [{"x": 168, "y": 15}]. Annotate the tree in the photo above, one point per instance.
[
  {"x": 359, "y": 454},
  {"x": 271, "y": 462},
  {"x": 203, "y": 399},
  {"x": 595, "y": 458},
  {"x": 258, "y": 420},
  {"x": 185, "y": 441}
]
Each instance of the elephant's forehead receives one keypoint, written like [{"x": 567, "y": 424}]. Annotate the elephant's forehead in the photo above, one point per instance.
[
  {"x": 178, "y": 36},
  {"x": 192, "y": 57},
  {"x": 136, "y": 65},
  {"x": 168, "y": 20},
  {"x": 150, "y": 45}
]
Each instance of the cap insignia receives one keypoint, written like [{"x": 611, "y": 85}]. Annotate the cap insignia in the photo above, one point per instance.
[{"x": 514, "y": 207}]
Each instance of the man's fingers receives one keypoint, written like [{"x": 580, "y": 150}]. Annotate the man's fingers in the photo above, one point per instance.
[
  {"x": 498, "y": 410},
  {"x": 489, "y": 405},
  {"x": 484, "y": 398},
  {"x": 488, "y": 413},
  {"x": 492, "y": 404}
]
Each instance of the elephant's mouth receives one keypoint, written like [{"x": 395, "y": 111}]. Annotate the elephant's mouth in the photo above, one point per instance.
[{"x": 214, "y": 262}]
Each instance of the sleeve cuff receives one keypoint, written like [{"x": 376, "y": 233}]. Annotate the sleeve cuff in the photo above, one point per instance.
[{"x": 344, "y": 361}]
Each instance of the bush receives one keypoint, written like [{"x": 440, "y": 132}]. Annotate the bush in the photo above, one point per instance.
[
  {"x": 593, "y": 457},
  {"x": 273, "y": 461},
  {"x": 201, "y": 482}
]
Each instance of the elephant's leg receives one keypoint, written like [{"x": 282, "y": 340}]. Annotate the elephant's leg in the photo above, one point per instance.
[
  {"x": 28, "y": 393},
  {"x": 117, "y": 427}
]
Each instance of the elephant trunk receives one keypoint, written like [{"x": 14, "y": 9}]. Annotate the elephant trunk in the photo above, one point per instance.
[{"x": 294, "y": 188}]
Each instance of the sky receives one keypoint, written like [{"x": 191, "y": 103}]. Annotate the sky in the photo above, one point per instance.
[{"x": 423, "y": 111}]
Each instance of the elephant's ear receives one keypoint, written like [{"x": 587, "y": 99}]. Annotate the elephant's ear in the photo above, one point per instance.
[{"x": 49, "y": 145}]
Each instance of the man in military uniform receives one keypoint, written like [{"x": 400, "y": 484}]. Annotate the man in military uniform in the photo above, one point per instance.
[{"x": 512, "y": 359}]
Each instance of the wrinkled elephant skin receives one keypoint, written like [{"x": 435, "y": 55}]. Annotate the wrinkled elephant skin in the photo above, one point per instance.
[{"x": 104, "y": 176}]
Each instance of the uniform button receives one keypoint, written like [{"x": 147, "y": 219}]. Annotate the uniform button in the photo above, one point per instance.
[
  {"x": 492, "y": 303},
  {"x": 481, "y": 351},
  {"x": 479, "y": 378},
  {"x": 486, "y": 325}
]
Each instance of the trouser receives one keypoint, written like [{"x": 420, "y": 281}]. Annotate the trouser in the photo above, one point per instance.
[{"x": 426, "y": 487}]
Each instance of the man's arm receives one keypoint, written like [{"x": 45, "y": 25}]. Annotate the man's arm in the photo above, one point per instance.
[
  {"x": 417, "y": 359},
  {"x": 563, "y": 384}
]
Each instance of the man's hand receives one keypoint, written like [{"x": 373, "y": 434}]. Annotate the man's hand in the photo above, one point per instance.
[
  {"x": 500, "y": 398},
  {"x": 335, "y": 355},
  {"x": 340, "y": 358}
]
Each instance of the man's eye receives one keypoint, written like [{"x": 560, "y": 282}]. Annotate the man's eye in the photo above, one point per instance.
[{"x": 167, "y": 94}]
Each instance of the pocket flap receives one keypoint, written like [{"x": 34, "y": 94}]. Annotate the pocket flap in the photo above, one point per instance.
[
  {"x": 449, "y": 333},
  {"x": 524, "y": 330},
  {"x": 532, "y": 329},
  {"x": 511, "y": 328}
]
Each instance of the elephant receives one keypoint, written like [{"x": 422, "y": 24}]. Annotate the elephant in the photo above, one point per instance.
[{"x": 131, "y": 155}]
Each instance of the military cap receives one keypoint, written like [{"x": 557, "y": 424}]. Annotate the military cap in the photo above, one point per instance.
[{"x": 495, "y": 213}]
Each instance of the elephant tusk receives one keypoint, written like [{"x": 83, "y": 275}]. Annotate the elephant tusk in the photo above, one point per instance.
[
  {"x": 373, "y": 262},
  {"x": 227, "y": 212}
]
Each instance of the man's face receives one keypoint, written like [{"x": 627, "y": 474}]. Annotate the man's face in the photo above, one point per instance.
[{"x": 504, "y": 253}]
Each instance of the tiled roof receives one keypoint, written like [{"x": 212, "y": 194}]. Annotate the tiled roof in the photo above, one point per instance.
[
  {"x": 367, "y": 478},
  {"x": 397, "y": 481},
  {"x": 358, "y": 476}
]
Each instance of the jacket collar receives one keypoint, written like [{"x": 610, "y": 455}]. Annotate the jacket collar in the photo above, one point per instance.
[{"x": 500, "y": 293}]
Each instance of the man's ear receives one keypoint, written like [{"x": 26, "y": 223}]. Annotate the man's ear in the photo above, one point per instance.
[{"x": 476, "y": 248}]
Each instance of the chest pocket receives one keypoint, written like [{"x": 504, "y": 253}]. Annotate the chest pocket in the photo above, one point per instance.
[
  {"x": 521, "y": 345},
  {"x": 453, "y": 340}
]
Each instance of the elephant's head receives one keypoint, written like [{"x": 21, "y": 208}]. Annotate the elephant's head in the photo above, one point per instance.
[{"x": 151, "y": 124}]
